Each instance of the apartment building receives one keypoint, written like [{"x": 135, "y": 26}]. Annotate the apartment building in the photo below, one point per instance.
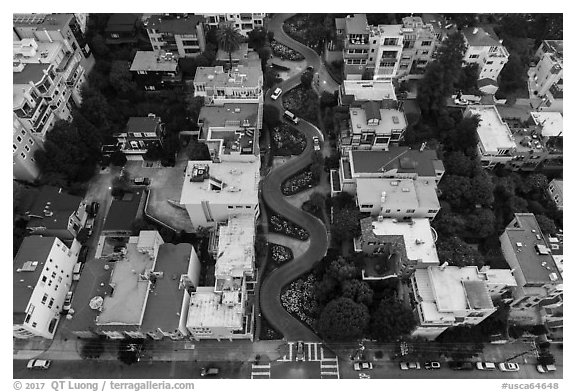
[
  {"x": 121, "y": 29},
  {"x": 547, "y": 77},
  {"x": 156, "y": 70},
  {"x": 401, "y": 199},
  {"x": 226, "y": 310},
  {"x": 42, "y": 273},
  {"x": 420, "y": 40},
  {"x": 446, "y": 296},
  {"x": 496, "y": 144},
  {"x": 555, "y": 191},
  {"x": 141, "y": 134},
  {"x": 181, "y": 34},
  {"x": 56, "y": 213},
  {"x": 486, "y": 51},
  {"x": 137, "y": 289},
  {"x": 242, "y": 84},
  {"x": 24, "y": 146},
  {"x": 244, "y": 22},
  {"x": 539, "y": 279}
]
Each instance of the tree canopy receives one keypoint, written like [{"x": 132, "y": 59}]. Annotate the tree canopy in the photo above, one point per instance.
[
  {"x": 343, "y": 320},
  {"x": 391, "y": 320},
  {"x": 229, "y": 39}
]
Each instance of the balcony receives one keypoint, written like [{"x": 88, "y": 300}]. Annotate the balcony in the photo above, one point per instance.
[{"x": 65, "y": 62}]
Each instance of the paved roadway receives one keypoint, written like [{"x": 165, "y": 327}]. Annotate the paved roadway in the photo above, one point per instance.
[{"x": 271, "y": 305}]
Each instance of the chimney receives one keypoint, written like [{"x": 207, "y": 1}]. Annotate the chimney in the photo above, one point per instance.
[{"x": 475, "y": 30}]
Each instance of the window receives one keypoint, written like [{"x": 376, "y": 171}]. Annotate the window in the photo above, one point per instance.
[
  {"x": 44, "y": 298},
  {"x": 115, "y": 35},
  {"x": 27, "y": 148},
  {"x": 23, "y": 155},
  {"x": 23, "y": 132},
  {"x": 31, "y": 142},
  {"x": 432, "y": 211},
  {"x": 410, "y": 211},
  {"x": 142, "y": 72},
  {"x": 373, "y": 43},
  {"x": 44, "y": 279},
  {"x": 473, "y": 56},
  {"x": 51, "y": 303},
  {"x": 387, "y": 211},
  {"x": 424, "y": 52},
  {"x": 230, "y": 207},
  {"x": 367, "y": 206},
  {"x": 53, "y": 274},
  {"x": 34, "y": 324},
  {"x": 19, "y": 139},
  {"x": 387, "y": 63},
  {"x": 14, "y": 148},
  {"x": 426, "y": 43},
  {"x": 489, "y": 62},
  {"x": 149, "y": 88},
  {"x": 248, "y": 206},
  {"x": 390, "y": 41},
  {"x": 372, "y": 51}
]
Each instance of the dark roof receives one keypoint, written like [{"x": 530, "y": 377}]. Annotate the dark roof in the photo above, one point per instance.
[
  {"x": 122, "y": 213},
  {"x": 486, "y": 82},
  {"x": 402, "y": 158},
  {"x": 143, "y": 124},
  {"x": 30, "y": 73},
  {"x": 121, "y": 22},
  {"x": 480, "y": 38},
  {"x": 50, "y": 22},
  {"x": 372, "y": 110},
  {"x": 34, "y": 248},
  {"x": 165, "y": 300},
  {"x": 381, "y": 266},
  {"x": 174, "y": 25},
  {"x": 556, "y": 46},
  {"x": 477, "y": 295},
  {"x": 56, "y": 201},
  {"x": 357, "y": 24}
]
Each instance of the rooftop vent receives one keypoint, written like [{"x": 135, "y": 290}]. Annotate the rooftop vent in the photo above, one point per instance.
[
  {"x": 542, "y": 250},
  {"x": 519, "y": 244},
  {"x": 394, "y": 183},
  {"x": 553, "y": 277},
  {"x": 405, "y": 190}
]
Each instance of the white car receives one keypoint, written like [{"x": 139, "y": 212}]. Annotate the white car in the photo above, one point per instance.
[
  {"x": 409, "y": 365},
  {"x": 41, "y": 364},
  {"x": 509, "y": 367},
  {"x": 485, "y": 366},
  {"x": 316, "y": 143},
  {"x": 545, "y": 368},
  {"x": 276, "y": 93},
  {"x": 363, "y": 366}
]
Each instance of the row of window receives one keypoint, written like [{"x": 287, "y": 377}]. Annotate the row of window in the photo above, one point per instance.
[{"x": 238, "y": 207}]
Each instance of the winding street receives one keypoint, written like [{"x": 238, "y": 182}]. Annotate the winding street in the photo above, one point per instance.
[{"x": 271, "y": 305}]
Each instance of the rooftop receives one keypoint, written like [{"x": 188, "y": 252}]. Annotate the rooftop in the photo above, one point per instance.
[
  {"x": 388, "y": 119},
  {"x": 387, "y": 30},
  {"x": 397, "y": 193},
  {"x": 121, "y": 22},
  {"x": 235, "y": 247},
  {"x": 400, "y": 159},
  {"x": 155, "y": 61},
  {"x": 493, "y": 132},
  {"x": 123, "y": 212},
  {"x": 210, "y": 309},
  {"x": 229, "y": 115},
  {"x": 417, "y": 234},
  {"x": 554, "y": 46},
  {"x": 532, "y": 252},
  {"x": 356, "y": 24},
  {"x": 50, "y": 22},
  {"x": 53, "y": 207},
  {"x": 552, "y": 123},
  {"x": 143, "y": 124},
  {"x": 27, "y": 268},
  {"x": 237, "y": 55},
  {"x": 233, "y": 183},
  {"x": 175, "y": 24},
  {"x": 497, "y": 276},
  {"x": 477, "y": 36},
  {"x": 240, "y": 76},
  {"x": 369, "y": 90}
]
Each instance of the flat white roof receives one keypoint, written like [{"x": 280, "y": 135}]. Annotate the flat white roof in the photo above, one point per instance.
[
  {"x": 500, "y": 277},
  {"x": 235, "y": 247},
  {"x": 240, "y": 183},
  {"x": 370, "y": 90},
  {"x": 493, "y": 133},
  {"x": 400, "y": 193},
  {"x": 552, "y": 122},
  {"x": 451, "y": 294},
  {"x": 417, "y": 235},
  {"x": 209, "y": 309},
  {"x": 390, "y": 119}
]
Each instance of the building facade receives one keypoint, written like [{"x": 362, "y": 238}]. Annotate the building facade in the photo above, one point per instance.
[
  {"x": 548, "y": 76},
  {"x": 242, "y": 84},
  {"x": 24, "y": 146},
  {"x": 244, "y": 22},
  {"x": 141, "y": 134},
  {"x": 486, "y": 51},
  {"x": 121, "y": 29},
  {"x": 181, "y": 34},
  {"x": 420, "y": 40},
  {"x": 555, "y": 191},
  {"x": 156, "y": 70}
]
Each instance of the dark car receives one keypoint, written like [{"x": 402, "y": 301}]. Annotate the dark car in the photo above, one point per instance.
[
  {"x": 83, "y": 254},
  {"x": 210, "y": 371},
  {"x": 456, "y": 365},
  {"x": 310, "y": 68},
  {"x": 94, "y": 207}
]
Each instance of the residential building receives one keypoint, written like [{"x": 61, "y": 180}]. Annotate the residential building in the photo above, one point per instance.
[
  {"x": 45, "y": 76},
  {"x": 496, "y": 144},
  {"x": 42, "y": 274},
  {"x": 213, "y": 192},
  {"x": 547, "y": 77},
  {"x": 181, "y": 34},
  {"x": 141, "y": 134},
  {"x": 137, "y": 289},
  {"x": 555, "y": 190},
  {"x": 487, "y": 86},
  {"x": 231, "y": 131},
  {"x": 401, "y": 199},
  {"x": 24, "y": 146},
  {"x": 486, "y": 51},
  {"x": 245, "y": 22},
  {"x": 365, "y": 90},
  {"x": 446, "y": 296},
  {"x": 156, "y": 70},
  {"x": 539, "y": 279},
  {"x": 122, "y": 214},
  {"x": 226, "y": 310},
  {"x": 242, "y": 84},
  {"x": 420, "y": 40},
  {"x": 539, "y": 142},
  {"x": 82, "y": 20},
  {"x": 121, "y": 29},
  {"x": 396, "y": 163},
  {"x": 56, "y": 213}
]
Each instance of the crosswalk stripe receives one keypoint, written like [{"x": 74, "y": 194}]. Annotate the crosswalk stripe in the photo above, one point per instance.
[
  {"x": 261, "y": 366},
  {"x": 321, "y": 353},
  {"x": 309, "y": 351},
  {"x": 316, "y": 351}
]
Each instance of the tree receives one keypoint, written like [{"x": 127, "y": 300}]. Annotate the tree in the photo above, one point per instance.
[
  {"x": 468, "y": 79},
  {"x": 121, "y": 78},
  {"x": 346, "y": 224},
  {"x": 341, "y": 270},
  {"x": 317, "y": 201},
  {"x": 547, "y": 225},
  {"x": 358, "y": 291},
  {"x": 343, "y": 319},
  {"x": 391, "y": 320},
  {"x": 536, "y": 182},
  {"x": 457, "y": 252},
  {"x": 257, "y": 38},
  {"x": 456, "y": 190},
  {"x": 464, "y": 136},
  {"x": 448, "y": 223},
  {"x": 198, "y": 151},
  {"x": 96, "y": 109},
  {"x": 481, "y": 190},
  {"x": 271, "y": 77},
  {"x": 459, "y": 164},
  {"x": 92, "y": 348},
  {"x": 512, "y": 76},
  {"x": 271, "y": 116},
  {"x": 307, "y": 78},
  {"x": 229, "y": 39},
  {"x": 481, "y": 223},
  {"x": 129, "y": 350},
  {"x": 328, "y": 100},
  {"x": 118, "y": 158}
]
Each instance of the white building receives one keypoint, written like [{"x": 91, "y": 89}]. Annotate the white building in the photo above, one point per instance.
[
  {"x": 486, "y": 51},
  {"x": 420, "y": 40},
  {"x": 42, "y": 274},
  {"x": 24, "y": 146},
  {"x": 244, "y": 22},
  {"x": 496, "y": 144},
  {"x": 547, "y": 78},
  {"x": 555, "y": 190},
  {"x": 243, "y": 84},
  {"x": 366, "y": 90},
  {"x": 177, "y": 33}
]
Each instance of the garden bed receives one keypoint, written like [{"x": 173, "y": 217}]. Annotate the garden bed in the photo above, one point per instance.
[
  {"x": 299, "y": 300},
  {"x": 284, "y": 52},
  {"x": 284, "y": 226},
  {"x": 303, "y": 103},
  {"x": 280, "y": 254},
  {"x": 298, "y": 183},
  {"x": 287, "y": 141}
]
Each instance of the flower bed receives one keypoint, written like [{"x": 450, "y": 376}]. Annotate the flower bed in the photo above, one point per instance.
[
  {"x": 303, "y": 103},
  {"x": 297, "y": 183},
  {"x": 284, "y": 52},
  {"x": 283, "y": 226},
  {"x": 280, "y": 254},
  {"x": 287, "y": 141},
  {"x": 299, "y": 300}
]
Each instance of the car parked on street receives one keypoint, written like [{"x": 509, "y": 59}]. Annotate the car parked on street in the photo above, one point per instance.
[
  {"x": 276, "y": 93},
  {"x": 291, "y": 116},
  {"x": 485, "y": 366},
  {"x": 457, "y": 365},
  {"x": 94, "y": 207},
  {"x": 509, "y": 367},
  {"x": 409, "y": 365},
  {"x": 316, "y": 143},
  {"x": 209, "y": 371},
  {"x": 300, "y": 351},
  {"x": 141, "y": 181},
  {"x": 83, "y": 254},
  {"x": 545, "y": 368},
  {"x": 432, "y": 365},
  {"x": 363, "y": 366},
  {"x": 67, "y": 301},
  {"x": 39, "y": 364}
]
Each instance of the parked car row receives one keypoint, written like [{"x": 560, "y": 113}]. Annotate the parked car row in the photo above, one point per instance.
[{"x": 458, "y": 365}]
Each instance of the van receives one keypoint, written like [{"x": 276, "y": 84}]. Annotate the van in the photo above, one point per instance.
[
  {"x": 290, "y": 116},
  {"x": 77, "y": 270},
  {"x": 210, "y": 371}
]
